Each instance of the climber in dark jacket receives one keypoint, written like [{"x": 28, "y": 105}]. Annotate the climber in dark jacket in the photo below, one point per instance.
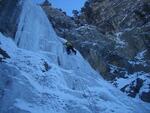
[{"x": 69, "y": 47}]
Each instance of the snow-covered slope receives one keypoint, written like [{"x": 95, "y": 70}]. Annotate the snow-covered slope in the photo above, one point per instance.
[{"x": 39, "y": 77}]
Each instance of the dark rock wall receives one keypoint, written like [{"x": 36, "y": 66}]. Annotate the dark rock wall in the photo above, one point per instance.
[
  {"x": 114, "y": 15},
  {"x": 9, "y": 16}
]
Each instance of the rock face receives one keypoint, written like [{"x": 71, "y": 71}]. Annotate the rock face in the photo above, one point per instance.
[
  {"x": 116, "y": 15},
  {"x": 3, "y": 55},
  {"x": 58, "y": 18},
  {"x": 9, "y": 16},
  {"x": 114, "y": 37}
]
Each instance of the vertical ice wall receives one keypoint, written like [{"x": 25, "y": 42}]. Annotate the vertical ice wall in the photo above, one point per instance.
[
  {"x": 34, "y": 30},
  {"x": 35, "y": 33}
]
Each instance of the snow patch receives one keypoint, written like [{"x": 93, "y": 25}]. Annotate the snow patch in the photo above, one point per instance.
[
  {"x": 139, "y": 59},
  {"x": 120, "y": 43}
]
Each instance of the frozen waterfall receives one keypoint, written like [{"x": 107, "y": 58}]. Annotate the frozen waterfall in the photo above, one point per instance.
[{"x": 39, "y": 76}]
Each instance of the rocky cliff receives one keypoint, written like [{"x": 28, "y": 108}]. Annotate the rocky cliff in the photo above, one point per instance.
[
  {"x": 114, "y": 37},
  {"x": 9, "y": 16}
]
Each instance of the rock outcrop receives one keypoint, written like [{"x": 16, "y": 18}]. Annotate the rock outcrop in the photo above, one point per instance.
[{"x": 9, "y": 16}]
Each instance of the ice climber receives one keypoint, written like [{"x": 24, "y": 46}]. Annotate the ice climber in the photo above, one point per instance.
[{"x": 69, "y": 47}]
